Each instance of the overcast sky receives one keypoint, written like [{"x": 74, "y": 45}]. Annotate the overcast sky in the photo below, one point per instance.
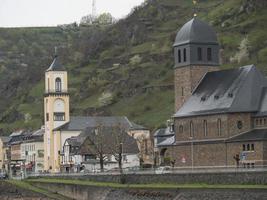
[{"x": 14, "y": 13}]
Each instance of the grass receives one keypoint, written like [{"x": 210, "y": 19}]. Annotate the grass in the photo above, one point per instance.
[
  {"x": 27, "y": 186},
  {"x": 147, "y": 186}
]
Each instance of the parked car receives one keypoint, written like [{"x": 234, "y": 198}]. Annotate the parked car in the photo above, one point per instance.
[
  {"x": 3, "y": 175},
  {"x": 163, "y": 170}
]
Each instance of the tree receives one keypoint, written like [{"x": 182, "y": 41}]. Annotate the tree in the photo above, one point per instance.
[
  {"x": 105, "y": 19},
  {"x": 87, "y": 20}
]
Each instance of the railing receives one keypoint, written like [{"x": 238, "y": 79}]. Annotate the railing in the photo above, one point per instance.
[
  {"x": 160, "y": 170},
  {"x": 55, "y": 91}
]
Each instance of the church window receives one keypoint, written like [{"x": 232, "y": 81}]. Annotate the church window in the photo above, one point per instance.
[
  {"x": 239, "y": 124},
  {"x": 58, "y": 85},
  {"x": 248, "y": 147},
  {"x": 257, "y": 122},
  {"x": 219, "y": 127},
  {"x": 182, "y": 89},
  {"x": 209, "y": 55},
  {"x": 252, "y": 147},
  {"x": 184, "y": 55},
  {"x": 59, "y": 116},
  {"x": 264, "y": 121},
  {"x": 205, "y": 127},
  {"x": 191, "y": 129},
  {"x": 181, "y": 129},
  {"x": 47, "y": 117},
  {"x": 179, "y": 56},
  {"x": 199, "y": 53},
  {"x": 244, "y": 147}
]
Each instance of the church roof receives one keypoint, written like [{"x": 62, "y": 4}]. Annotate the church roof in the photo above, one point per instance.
[
  {"x": 196, "y": 31},
  {"x": 56, "y": 65},
  {"x": 226, "y": 91},
  {"x": 81, "y": 123},
  {"x": 253, "y": 135}
]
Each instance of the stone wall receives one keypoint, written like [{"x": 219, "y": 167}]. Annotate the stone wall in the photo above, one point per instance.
[{"x": 80, "y": 192}]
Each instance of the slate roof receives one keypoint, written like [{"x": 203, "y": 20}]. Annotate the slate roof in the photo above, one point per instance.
[
  {"x": 226, "y": 91},
  {"x": 164, "y": 137},
  {"x": 263, "y": 106},
  {"x": 5, "y": 139},
  {"x": 108, "y": 138},
  {"x": 253, "y": 135},
  {"x": 197, "y": 32},
  {"x": 81, "y": 123},
  {"x": 56, "y": 65}
]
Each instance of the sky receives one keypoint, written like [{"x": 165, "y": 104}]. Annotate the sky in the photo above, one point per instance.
[{"x": 25, "y": 13}]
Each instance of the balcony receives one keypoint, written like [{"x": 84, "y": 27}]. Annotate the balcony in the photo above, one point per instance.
[{"x": 56, "y": 93}]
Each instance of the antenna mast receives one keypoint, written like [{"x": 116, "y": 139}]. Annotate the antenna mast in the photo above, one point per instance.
[{"x": 94, "y": 8}]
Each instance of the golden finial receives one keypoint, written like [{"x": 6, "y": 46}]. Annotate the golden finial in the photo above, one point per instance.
[{"x": 195, "y": 3}]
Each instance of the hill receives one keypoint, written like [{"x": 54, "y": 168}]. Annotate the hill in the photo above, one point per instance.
[{"x": 125, "y": 68}]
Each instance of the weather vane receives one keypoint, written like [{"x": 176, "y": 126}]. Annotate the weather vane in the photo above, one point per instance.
[{"x": 195, "y": 7}]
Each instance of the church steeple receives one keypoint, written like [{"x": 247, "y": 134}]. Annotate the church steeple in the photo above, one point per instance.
[
  {"x": 56, "y": 110},
  {"x": 196, "y": 52}
]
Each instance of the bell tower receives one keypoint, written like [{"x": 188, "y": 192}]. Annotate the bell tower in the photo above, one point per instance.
[
  {"x": 56, "y": 111},
  {"x": 196, "y": 52}
]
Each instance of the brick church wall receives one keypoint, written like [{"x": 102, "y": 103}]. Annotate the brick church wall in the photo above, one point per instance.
[{"x": 186, "y": 79}]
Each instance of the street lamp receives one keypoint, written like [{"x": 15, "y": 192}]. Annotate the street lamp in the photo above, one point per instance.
[{"x": 192, "y": 152}]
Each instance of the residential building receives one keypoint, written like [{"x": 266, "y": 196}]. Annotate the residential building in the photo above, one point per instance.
[{"x": 4, "y": 152}]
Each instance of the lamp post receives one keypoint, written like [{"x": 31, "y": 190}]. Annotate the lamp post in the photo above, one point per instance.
[{"x": 192, "y": 152}]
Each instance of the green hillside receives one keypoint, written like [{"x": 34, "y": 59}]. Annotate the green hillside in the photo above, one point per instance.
[{"x": 125, "y": 68}]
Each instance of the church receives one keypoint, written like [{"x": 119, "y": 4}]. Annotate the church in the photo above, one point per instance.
[
  {"x": 60, "y": 126},
  {"x": 220, "y": 114}
]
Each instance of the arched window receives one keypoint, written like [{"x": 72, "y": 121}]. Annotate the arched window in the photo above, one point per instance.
[
  {"x": 219, "y": 127},
  {"x": 58, "y": 85},
  {"x": 209, "y": 55},
  {"x": 181, "y": 129},
  {"x": 179, "y": 56},
  {"x": 191, "y": 129},
  {"x": 184, "y": 55},
  {"x": 199, "y": 53},
  {"x": 205, "y": 127}
]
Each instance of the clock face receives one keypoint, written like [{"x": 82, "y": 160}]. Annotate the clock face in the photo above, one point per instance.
[{"x": 239, "y": 124}]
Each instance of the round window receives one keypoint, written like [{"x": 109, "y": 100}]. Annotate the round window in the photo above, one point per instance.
[{"x": 239, "y": 124}]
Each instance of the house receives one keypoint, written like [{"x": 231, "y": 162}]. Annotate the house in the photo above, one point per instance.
[
  {"x": 4, "y": 153},
  {"x": 32, "y": 151},
  {"x": 111, "y": 139},
  {"x": 220, "y": 115},
  {"x": 59, "y": 125}
]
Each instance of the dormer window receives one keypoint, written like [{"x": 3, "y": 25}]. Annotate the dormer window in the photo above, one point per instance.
[{"x": 58, "y": 85}]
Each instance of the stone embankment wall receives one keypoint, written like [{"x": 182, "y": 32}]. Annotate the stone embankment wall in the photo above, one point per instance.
[
  {"x": 208, "y": 178},
  {"x": 8, "y": 192},
  {"x": 80, "y": 192}
]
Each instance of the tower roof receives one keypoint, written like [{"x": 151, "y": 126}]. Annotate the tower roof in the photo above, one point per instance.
[
  {"x": 56, "y": 65},
  {"x": 196, "y": 31}
]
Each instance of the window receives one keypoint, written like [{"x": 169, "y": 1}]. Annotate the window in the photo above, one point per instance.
[
  {"x": 205, "y": 127},
  {"x": 209, "y": 56},
  {"x": 124, "y": 157},
  {"x": 244, "y": 147},
  {"x": 179, "y": 56},
  {"x": 184, "y": 55},
  {"x": 182, "y": 91},
  {"x": 59, "y": 116},
  {"x": 48, "y": 84},
  {"x": 219, "y": 127},
  {"x": 252, "y": 147},
  {"x": 58, "y": 85},
  {"x": 191, "y": 129},
  {"x": 199, "y": 53},
  {"x": 181, "y": 129},
  {"x": 47, "y": 117},
  {"x": 248, "y": 147},
  {"x": 239, "y": 124}
]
